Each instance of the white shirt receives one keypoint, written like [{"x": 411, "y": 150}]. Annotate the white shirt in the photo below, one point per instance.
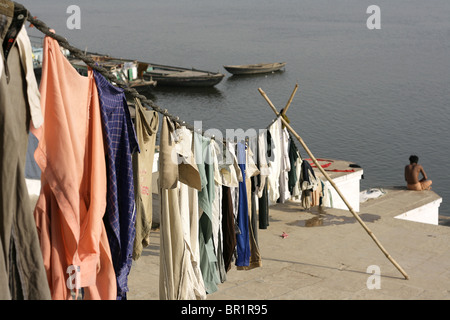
[
  {"x": 285, "y": 166},
  {"x": 275, "y": 163}
]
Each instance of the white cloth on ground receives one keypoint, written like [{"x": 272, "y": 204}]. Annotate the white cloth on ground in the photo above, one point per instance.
[{"x": 371, "y": 193}]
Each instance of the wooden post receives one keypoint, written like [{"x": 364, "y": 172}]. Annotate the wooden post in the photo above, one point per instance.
[{"x": 334, "y": 186}]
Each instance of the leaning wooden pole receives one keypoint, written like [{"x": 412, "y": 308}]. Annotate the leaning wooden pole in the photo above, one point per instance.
[
  {"x": 288, "y": 104},
  {"x": 334, "y": 186}
]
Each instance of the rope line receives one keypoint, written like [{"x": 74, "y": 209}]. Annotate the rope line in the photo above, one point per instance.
[{"x": 42, "y": 27}]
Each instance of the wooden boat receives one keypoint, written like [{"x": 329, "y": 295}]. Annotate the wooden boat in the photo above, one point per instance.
[
  {"x": 254, "y": 68},
  {"x": 182, "y": 77}
]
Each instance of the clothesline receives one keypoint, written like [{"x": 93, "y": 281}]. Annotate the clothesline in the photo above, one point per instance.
[{"x": 42, "y": 27}]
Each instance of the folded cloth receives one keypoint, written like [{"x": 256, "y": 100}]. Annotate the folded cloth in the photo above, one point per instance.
[{"x": 371, "y": 194}]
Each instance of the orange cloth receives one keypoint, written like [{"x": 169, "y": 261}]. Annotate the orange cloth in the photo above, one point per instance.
[
  {"x": 419, "y": 186},
  {"x": 69, "y": 212}
]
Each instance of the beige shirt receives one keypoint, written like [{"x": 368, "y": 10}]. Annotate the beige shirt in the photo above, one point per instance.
[{"x": 34, "y": 97}]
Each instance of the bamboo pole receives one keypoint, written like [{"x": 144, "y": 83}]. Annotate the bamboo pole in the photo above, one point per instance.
[
  {"x": 283, "y": 112},
  {"x": 334, "y": 186}
]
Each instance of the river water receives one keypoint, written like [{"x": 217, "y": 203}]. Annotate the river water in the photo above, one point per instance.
[{"x": 373, "y": 97}]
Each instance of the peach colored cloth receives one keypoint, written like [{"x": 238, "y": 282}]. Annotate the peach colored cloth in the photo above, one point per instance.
[
  {"x": 419, "y": 186},
  {"x": 72, "y": 202}
]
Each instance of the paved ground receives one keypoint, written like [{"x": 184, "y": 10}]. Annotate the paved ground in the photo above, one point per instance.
[{"x": 327, "y": 255}]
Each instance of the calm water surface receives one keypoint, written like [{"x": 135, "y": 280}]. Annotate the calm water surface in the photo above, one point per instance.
[{"x": 368, "y": 96}]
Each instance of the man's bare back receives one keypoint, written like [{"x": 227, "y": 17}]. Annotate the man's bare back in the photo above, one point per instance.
[{"x": 412, "y": 172}]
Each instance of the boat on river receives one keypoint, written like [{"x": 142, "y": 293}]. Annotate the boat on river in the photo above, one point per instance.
[
  {"x": 141, "y": 74},
  {"x": 181, "y": 77},
  {"x": 254, "y": 68}
]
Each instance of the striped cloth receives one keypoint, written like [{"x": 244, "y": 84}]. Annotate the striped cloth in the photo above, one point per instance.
[{"x": 120, "y": 143}]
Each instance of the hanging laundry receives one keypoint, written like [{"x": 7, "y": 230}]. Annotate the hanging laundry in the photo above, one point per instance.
[
  {"x": 295, "y": 160},
  {"x": 327, "y": 197},
  {"x": 230, "y": 177},
  {"x": 250, "y": 170},
  {"x": 254, "y": 206},
  {"x": 243, "y": 240},
  {"x": 285, "y": 167},
  {"x": 316, "y": 194},
  {"x": 217, "y": 214},
  {"x": 264, "y": 154},
  {"x": 22, "y": 272},
  {"x": 308, "y": 183},
  {"x": 180, "y": 274},
  {"x": 296, "y": 179},
  {"x": 146, "y": 125},
  {"x": 72, "y": 202},
  {"x": 189, "y": 208},
  {"x": 263, "y": 208},
  {"x": 228, "y": 227},
  {"x": 194, "y": 285},
  {"x": 252, "y": 174},
  {"x": 121, "y": 143},
  {"x": 275, "y": 161},
  {"x": 229, "y": 169},
  {"x": 262, "y": 161},
  {"x": 26, "y": 54},
  {"x": 32, "y": 170},
  {"x": 1, "y": 65},
  {"x": 208, "y": 259}
]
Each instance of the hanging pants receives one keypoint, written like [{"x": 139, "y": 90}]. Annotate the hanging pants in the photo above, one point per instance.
[{"x": 22, "y": 272}]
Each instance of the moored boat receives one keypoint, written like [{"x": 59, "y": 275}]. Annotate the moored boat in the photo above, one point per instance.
[
  {"x": 182, "y": 77},
  {"x": 254, "y": 68}
]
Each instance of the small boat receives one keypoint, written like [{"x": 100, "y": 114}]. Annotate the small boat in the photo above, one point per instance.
[
  {"x": 181, "y": 77},
  {"x": 254, "y": 68}
]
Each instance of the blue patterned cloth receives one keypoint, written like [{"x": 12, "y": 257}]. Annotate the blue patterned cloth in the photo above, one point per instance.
[
  {"x": 243, "y": 239},
  {"x": 121, "y": 142}
]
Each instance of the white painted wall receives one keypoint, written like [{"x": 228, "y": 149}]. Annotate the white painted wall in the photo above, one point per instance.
[
  {"x": 428, "y": 213},
  {"x": 349, "y": 186}
]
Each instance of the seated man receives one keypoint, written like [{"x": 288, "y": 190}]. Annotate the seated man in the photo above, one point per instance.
[{"x": 412, "y": 175}]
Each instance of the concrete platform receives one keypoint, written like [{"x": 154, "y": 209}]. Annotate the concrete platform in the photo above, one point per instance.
[{"x": 328, "y": 255}]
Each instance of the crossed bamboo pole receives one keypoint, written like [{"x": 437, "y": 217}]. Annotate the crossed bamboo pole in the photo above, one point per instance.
[{"x": 286, "y": 124}]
